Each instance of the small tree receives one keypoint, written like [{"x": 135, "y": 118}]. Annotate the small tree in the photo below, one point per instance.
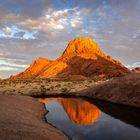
[
  {"x": 43, "y": 90},
  {"x": 65, "y": 90}
]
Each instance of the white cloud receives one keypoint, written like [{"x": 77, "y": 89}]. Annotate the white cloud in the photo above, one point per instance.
[
  {"x": 76, "y": 21},
  {"x": 62, "y": 18},
  {"x": 11, "y": 64},
  {"x": 134, "y": 65},
  {"x": 51, "y": 20},
  {"x": 7, "y": 68},
  {"x": 17, "y": 33},
  {"x": 7, "y": 30}
]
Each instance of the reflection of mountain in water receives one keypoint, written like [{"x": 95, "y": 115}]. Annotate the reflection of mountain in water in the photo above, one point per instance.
[
  {"x": 79, "y": 111},
  {"x": 127, "y": 114}
]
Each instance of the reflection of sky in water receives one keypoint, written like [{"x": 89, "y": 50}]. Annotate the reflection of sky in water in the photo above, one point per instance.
[{"x": 106, "y": 128}]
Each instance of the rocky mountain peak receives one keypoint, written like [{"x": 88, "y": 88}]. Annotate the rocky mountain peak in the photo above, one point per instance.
[
  {"x": 81, "y": 45},
  {"x": 81, "y": 59}
]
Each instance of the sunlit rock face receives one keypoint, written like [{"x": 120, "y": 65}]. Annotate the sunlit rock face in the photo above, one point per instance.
[
  {"x": 34, "y": 69},
  {"x": 81, "y": 59},
  {"x": 78, "y": 110},
  {"x": 83, "y": 47},
  {"x": 86, "y": 58}
]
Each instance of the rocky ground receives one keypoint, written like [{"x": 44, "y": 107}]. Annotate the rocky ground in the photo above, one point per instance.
[
  {"x": 123, "y": 90},
  {"x": 21, "y": 118}
]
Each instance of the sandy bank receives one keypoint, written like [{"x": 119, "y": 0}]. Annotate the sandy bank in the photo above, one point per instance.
[{"x": 21, "y": 118}]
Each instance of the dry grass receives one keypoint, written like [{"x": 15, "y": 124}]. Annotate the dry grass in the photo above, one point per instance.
[{"x": 33, "y": 87}]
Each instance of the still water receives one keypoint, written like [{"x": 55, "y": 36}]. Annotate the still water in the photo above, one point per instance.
[{"x": 83, "y": 119}]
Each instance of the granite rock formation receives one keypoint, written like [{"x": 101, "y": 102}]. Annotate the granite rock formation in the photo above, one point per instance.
[{"x": 81, "y": 59}]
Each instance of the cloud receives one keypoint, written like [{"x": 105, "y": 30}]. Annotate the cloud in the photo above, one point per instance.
[
  {"x": 134, "y": 65},
  {"x": 51, "y": 20},
  {"x": 16, "y": 32},
  {"x": 55, "y": 20},
  {"x": 7, "y": 30},
  {"x": 76, "y": 22},
  {"x": 9, "y": 65},
  {"x": 6, "y": 68},
  {"x": 30, "y": 29}
]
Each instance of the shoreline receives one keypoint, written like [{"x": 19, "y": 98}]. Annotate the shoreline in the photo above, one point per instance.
[
  {"x": 46, "y": 121},
  {"x": 122, "y": 90}
]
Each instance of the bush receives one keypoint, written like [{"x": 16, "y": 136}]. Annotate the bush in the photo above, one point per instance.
[
  {"x": 48, "y": 89},
  {"x": 58, "y": 85},
  {"x": 90, "y": 81},
  {"x": 52, "y": 87},
  {"x": 35, "y": 87},
  {"x": 65, "y": 90},
  {"x": 43, "y": 90}
]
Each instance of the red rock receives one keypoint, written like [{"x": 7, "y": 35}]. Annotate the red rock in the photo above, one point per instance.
[
  {"x": 34, "y": 69},
  {"x": 122, "y": 90},
  {"x": 82, "y": 59}
]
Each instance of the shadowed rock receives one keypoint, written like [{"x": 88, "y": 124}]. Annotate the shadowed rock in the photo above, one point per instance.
[
  {"x": 82, "y": 59},
  {"x": 122, "y": 90}
]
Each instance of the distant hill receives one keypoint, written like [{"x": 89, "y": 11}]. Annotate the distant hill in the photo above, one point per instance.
[
  {"x": 136, "y": 70},
  {"x": 81, "y": 59}
]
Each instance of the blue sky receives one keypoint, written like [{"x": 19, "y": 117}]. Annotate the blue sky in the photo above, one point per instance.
[{"x": 30, "y": 29}]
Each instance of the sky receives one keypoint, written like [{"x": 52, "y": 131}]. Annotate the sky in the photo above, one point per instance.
[{"x": 42, "y": 28}]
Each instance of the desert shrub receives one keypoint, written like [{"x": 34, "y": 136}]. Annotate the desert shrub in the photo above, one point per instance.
[
  {"x": 13, "y": 90},
  {"x": 65, "y": 90},
  {"x": 48, "y": 89},
  {"x": 20, "y": 92},
  {"x": 35, "y": 87},
  {"x": 30, "y": 85},
  {"x": 58, "y": 85},
  {"x": 87, "y": 86},
  {"x": 43, "y": 90},
  {"x": 90, "y": 81},
  {"x": 52, "y": 87}
]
